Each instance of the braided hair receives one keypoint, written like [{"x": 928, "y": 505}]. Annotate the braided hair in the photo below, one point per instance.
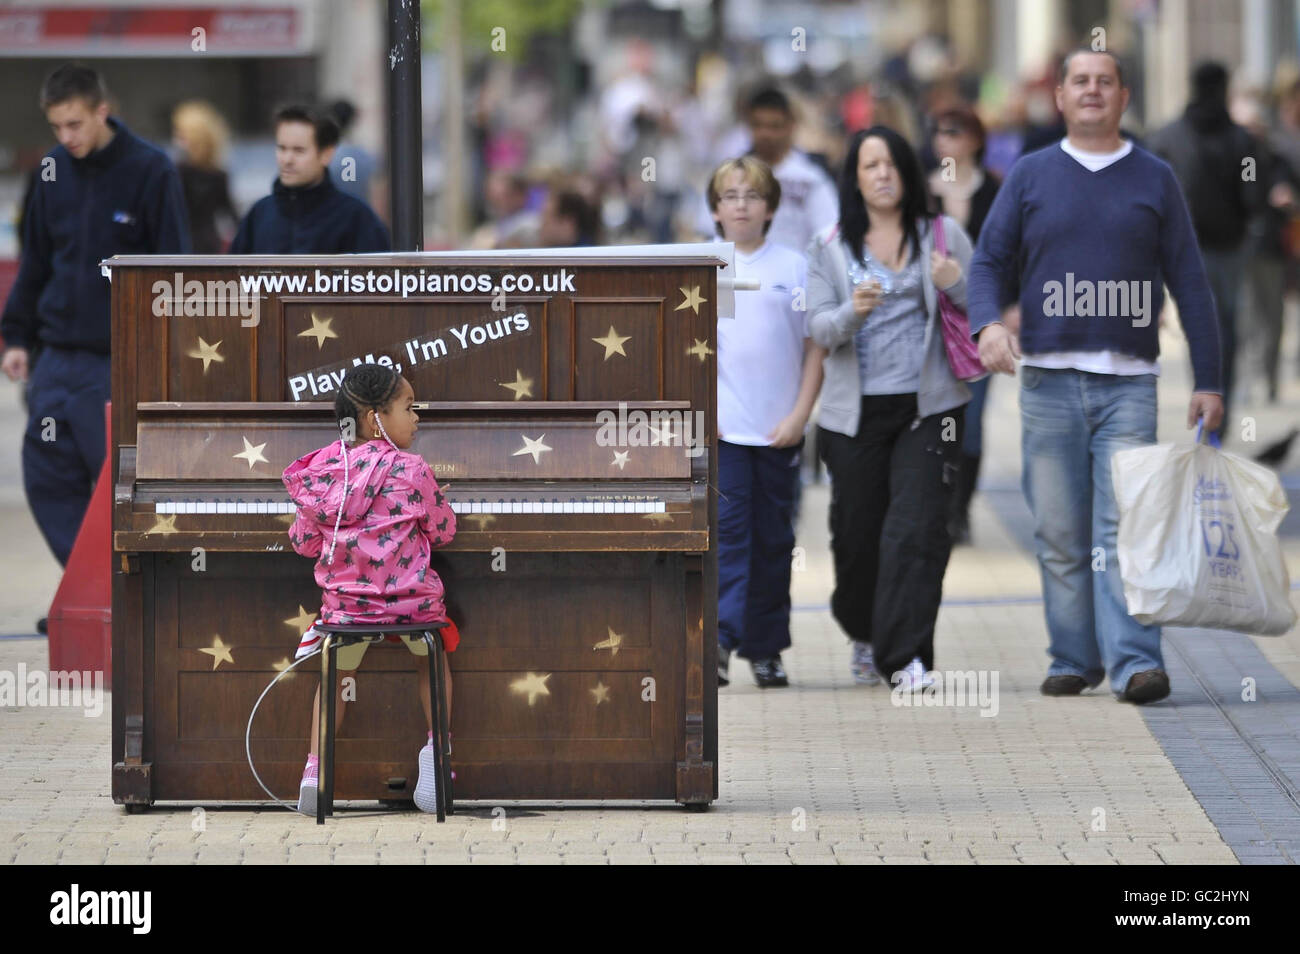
[{"x": 366, "y": 386}]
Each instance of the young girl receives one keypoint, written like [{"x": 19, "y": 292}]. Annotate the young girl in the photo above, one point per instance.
[{"x": 371, "y": 512}]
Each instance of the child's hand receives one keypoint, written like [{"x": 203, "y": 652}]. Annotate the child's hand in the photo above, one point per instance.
[{"x": 789, "y": 432}]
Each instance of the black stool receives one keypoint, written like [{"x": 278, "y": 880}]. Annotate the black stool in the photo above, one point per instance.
[{"x": 337, "y": 636}]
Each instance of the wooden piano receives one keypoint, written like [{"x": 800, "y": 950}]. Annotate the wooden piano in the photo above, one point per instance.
[{"x": 570, "y": 411}]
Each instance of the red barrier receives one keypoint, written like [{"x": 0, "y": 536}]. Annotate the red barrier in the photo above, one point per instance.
[{"x": 81, "y": 618}]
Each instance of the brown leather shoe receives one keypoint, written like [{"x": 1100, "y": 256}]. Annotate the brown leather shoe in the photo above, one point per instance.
[
  {"x": 1063, "y": 685},
  {"x": 1152, "y": 685}
]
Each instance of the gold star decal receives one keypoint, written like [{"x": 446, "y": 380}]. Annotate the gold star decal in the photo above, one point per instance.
[
  {"x": 522, "y": 386},
  {"x": 532, "y": 686},
  {"x": 620, "y": 459},
  {"x": 484, "y": 520},
  {"x": 252, "y": 454},
  {"x": 207, "y": 353},
  {"x": 700, "y": 350},
  {"x": 615, "y": 640},
  {"x": 601, "y": 692},
  {"x": 534, "y": 447},
  {"x": 658, "y": 517},
  {"x": 320, "y": 330},
  {"x": 613, "y": 343},
  {"x": 163, "y": 525},
  {"x": 219, "y": 652},
  {"x": 693, "y": 299},
  {"x": 302, "y": 622},
  {"x": 282, "y": 665}
]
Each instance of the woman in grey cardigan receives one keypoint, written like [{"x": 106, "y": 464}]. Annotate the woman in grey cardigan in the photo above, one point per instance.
[{"x": 891, "y": 409}]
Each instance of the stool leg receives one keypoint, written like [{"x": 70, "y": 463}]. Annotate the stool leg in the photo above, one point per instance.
[
  {"x": 326, "y": 723},
  {"x": 330, "y": 734},
  {"x": 435, "y": 697},
  {"x": 444, "y": 727}
]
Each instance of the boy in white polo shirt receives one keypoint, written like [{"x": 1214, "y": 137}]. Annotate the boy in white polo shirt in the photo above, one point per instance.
[{"x": 769, "y": 374}]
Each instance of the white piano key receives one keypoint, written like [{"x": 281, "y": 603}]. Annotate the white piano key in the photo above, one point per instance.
[
  {"x": 241, "y": 507},
  {"x": 262, "y": 505},
  {"x": 515, "y": 506},
  {"x": 660, "y": 507}
]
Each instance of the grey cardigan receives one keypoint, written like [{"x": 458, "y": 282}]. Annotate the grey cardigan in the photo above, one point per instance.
[{"x": 833, "y": 325}]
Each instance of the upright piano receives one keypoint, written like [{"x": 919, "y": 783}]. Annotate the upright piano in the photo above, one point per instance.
[{"x": 569, "y": 408}]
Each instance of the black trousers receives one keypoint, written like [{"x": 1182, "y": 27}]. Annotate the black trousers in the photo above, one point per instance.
[{"x": 890, "y": 490}]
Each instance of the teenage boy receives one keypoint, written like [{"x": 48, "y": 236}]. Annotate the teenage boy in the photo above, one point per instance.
[{"x": 769, "y": 374}]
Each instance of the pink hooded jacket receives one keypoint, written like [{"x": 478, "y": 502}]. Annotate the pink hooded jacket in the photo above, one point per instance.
[{"x": 394, "y": 515}]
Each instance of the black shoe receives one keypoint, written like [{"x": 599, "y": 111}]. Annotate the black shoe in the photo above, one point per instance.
[
  {"x": 1063, "y": 685},
  {"x": 43, "y": 626},
  {"x": 724, "y": 663},
  {"x": 1151, "y": 685},
  {"x": 769, "y": 672}
]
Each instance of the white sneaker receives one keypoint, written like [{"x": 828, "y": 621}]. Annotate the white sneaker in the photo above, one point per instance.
[
  {"x": 863, "y": 665},
  {"x": 914, "y": 677},
  {"x": 426, "y": 786}
]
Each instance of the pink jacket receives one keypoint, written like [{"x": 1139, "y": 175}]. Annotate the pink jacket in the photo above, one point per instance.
[{"x": 394, "y": 515}]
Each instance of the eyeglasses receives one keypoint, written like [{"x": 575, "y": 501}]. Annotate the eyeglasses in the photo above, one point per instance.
[{"x": 736, "y": 198}]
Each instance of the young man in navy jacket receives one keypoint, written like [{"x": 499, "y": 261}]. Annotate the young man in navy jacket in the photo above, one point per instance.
[
  {"x": 305, "y": 214},
  {"x": 101, "y": 192}
]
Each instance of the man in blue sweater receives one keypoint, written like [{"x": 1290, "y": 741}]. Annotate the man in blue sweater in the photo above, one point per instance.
[
  {"x": 100, "y": 192},
  {"x": 1092, "y": 229},
  {"x": 305, "y": 214}
]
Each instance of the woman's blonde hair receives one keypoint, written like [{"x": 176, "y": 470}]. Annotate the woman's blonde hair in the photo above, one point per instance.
[
  {"x": 206, "y": 133},
  {"x": 757, "y": 173}
]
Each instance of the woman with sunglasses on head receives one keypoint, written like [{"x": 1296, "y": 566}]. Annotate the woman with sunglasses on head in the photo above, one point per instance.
[
  {"x": 891, "y": 408},
  {"x": 965, "y": 191}
]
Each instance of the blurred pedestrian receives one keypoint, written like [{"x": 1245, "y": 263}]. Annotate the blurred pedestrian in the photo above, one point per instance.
[
  {"x": 1091, "y": 230},
  {"x": 808, "y": 199},
  {"x": 513, "y": 221},
  {"x": 101, "y": 192},
  {"x": 568, "y": 220},
  {"x": 201, "y": 135},
  {"x": 305, "y": 214},
  {"x": 1209, "y": 153},
  {"x": 965, "y": 191},
  {"x": 891, "y": 409},
  {"x": 1268, "y": 247},
  {"x": 769, "y": 374},
  {"x": 353, "y": 168}
]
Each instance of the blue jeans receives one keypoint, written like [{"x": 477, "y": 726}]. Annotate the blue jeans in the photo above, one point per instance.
[
  {"x": 1073, "y": 422},
  {"x": 756, "y": 495}
]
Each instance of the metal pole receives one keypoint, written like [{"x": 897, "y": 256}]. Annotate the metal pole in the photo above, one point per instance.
[{"x": 404, "y": 125}]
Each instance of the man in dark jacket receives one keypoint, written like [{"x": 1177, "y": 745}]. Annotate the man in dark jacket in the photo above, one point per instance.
[
  {"x": 305, "y": 213},
  {"x": 100, "y": 192},
  {"x": 1214, "y": 161}
]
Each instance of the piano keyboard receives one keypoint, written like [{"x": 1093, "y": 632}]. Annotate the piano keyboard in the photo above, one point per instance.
[{"x": 458, "y": 506}]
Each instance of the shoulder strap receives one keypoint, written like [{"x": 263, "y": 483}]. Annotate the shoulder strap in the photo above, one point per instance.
[{"x": 940, "y": 240}]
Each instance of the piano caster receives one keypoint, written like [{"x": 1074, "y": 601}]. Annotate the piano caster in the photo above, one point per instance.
[
  {"x": 135, "y": 808},
  {"x": 697, "y": 807}
]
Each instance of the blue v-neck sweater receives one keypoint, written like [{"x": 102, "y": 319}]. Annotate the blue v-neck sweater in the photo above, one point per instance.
[{"x": 1092, "y": 252}]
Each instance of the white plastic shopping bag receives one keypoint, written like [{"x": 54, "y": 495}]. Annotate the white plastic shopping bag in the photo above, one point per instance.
[{"x": 1198, "y": 539}]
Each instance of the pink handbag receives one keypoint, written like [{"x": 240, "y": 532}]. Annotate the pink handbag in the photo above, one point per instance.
[{"x": 963, "y": 353}]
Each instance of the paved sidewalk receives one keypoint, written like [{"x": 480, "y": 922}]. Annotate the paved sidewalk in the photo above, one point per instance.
[{"x": 822, "y": 772}]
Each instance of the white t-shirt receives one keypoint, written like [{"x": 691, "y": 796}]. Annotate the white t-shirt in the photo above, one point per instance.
[
  {"x": 760, "y": 351},
  {"x": 1098, "y": 362},
  {"x": 809, "y": 203}
]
